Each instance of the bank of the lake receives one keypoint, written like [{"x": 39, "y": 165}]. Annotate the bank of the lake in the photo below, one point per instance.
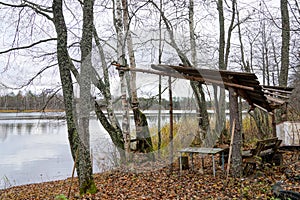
[{"x": 159, "y": 184}]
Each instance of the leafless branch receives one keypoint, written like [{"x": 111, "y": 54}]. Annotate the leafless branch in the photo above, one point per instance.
[
  {"x": 50, "y": 98},
  {"x": 45, "y": 9},
  {"x": 37, "y": 74},
  {"x": 37, "y": 8},
  {"x": 28, "y": 46},
  {"x": 30, "y": 80},
  {"x": 293, "y": 12}
]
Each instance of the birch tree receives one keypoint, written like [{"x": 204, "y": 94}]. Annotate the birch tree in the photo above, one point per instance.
[
  {"x": 118, "y": 23},
  {"x": 144, "y": 142}
]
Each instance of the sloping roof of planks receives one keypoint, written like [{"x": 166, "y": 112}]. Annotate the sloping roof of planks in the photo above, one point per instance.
[{"x": 246, "y": 84}]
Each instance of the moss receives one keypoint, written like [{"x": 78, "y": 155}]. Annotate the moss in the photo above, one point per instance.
[
  {"x": 88, "y": 187},
  {"x": 61, "y": 197}
]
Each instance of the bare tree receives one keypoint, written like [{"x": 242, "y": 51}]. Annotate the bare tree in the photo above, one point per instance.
[
  {"x": 199, "y": 94},
  {"x": 79, "y": 145}
]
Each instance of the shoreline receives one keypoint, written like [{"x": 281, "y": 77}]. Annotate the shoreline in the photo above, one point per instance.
[
  {"x": 30, "y": 111},
  {"x": 120, "y": 183}
]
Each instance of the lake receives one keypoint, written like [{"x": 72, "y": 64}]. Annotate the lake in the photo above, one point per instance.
[{"x": 34, "y": 147}]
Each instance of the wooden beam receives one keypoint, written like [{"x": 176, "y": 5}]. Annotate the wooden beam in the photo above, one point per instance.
[
  {"x": 277, "y": 90},
  {"x": 274, "y": 125},
  {"x": 276, "y": 100},
  {"x": 263, "y": 109},
  {"x": 183, "y": 76},
  {"x": 276, "y": 94}
]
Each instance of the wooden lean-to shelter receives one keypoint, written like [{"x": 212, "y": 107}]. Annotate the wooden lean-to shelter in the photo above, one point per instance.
[{"x": 243, "y": 84}]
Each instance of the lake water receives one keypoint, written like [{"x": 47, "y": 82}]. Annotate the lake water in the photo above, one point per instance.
[{"x": 34, "y": 147}]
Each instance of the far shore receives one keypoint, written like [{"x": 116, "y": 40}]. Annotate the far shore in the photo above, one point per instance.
[{"x": 28, "y": 111}]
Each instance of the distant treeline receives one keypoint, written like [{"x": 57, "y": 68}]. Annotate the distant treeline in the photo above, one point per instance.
[
  {"x": 152, "y": 103},
  {"x": 54, "y": 101},
  {"x": 48, "y": 100},
  {"x": 30, "y": 101}
]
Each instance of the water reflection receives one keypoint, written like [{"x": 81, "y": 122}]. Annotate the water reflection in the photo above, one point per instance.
[
  {"x": 19, "y": 128},
  {"x": 34, "y": 150},
  {"x": 29, "y": 127}
]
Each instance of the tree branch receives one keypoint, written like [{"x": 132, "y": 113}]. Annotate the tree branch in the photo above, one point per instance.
[
  {"x": 46, "y": 9},
  {"x": 37, "y": 8},
  {"x": 30, "y": 80},
  {"x": 28, "y": 46}
]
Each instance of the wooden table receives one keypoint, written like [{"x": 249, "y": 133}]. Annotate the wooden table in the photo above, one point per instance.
[{"x": 202, "y": 150}]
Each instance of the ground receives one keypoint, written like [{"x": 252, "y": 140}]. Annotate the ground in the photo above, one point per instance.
[{"x": 160, "y": 184}]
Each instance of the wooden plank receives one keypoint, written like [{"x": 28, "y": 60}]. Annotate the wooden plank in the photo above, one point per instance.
[
  {"x": 277, "y": 90},
  {"x": 248, "y": 82},
  {"x": 275, "y": 94},
  {"x": 276, "y": 100},
  {"x": 230, "y": 148}
]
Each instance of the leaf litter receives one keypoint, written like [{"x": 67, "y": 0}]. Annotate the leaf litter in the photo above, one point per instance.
[{"x": 124, "y": 183}]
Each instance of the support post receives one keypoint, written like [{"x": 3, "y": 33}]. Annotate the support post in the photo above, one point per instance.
[
  {"x": 159, "y": 118},
  {"x": 274, "y": 124},
  {"x": 237, "y": 139},
  {"x": 171, "y": 125}
]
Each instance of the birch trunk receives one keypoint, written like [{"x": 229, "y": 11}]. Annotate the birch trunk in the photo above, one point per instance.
[
  {"x": 122, "y": 61},
  {"x": 144, "y": 142},
  {"x": 111, "y": 125}
]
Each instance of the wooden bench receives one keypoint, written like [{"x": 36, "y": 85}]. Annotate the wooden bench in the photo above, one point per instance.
[{"x": 264, "y": 151}]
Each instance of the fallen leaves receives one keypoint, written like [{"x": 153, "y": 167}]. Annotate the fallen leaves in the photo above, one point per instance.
[{"x": 159, "y": 184}]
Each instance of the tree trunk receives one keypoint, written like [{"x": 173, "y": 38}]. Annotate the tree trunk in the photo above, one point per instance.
[
  {"x": 122, "y": 60},
  {"x": 144, "y": 142},
  {"x": 237, "y": 139},
  {"x": 223, "y": 62},
  {"x": 285, "y": 23},
  {"x": 125, "y": 109},
  {"x": 200, "y": 96},
  {"x": 114, "y": 132},
  {"x": 85, "y": 73},
  {"x": 83, "y": 164},
  {"x": 221, "y": 36},
  {"x": 220, "y": 103},
  {"x": 112, "y": 125}
]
